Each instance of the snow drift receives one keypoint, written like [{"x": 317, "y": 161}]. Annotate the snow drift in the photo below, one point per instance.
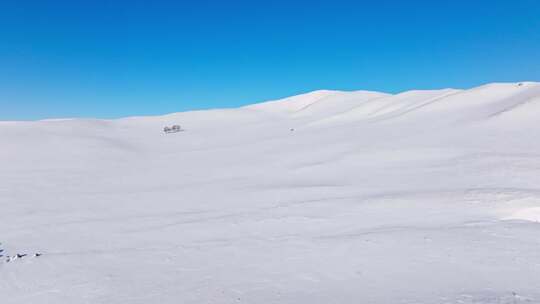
[{"x": 326, "y": 197}]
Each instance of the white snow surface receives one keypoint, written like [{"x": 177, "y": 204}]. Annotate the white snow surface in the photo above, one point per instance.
[{"x": 326, "y": 197}]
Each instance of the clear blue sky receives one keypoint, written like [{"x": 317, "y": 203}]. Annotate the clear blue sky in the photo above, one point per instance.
[{"x": 118, "y": 58}]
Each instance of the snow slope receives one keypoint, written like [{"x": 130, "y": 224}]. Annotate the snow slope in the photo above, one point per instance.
[{"x": 419, "y": 197}]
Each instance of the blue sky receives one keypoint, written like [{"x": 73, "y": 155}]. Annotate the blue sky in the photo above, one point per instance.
[{"x": 111, "y": 59}]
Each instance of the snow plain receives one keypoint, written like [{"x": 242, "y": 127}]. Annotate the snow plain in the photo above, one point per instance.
[{"x": 326, "y": 197}]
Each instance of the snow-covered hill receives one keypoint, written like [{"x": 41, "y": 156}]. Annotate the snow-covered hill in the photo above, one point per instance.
[{"x": 326, "y": 197}]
